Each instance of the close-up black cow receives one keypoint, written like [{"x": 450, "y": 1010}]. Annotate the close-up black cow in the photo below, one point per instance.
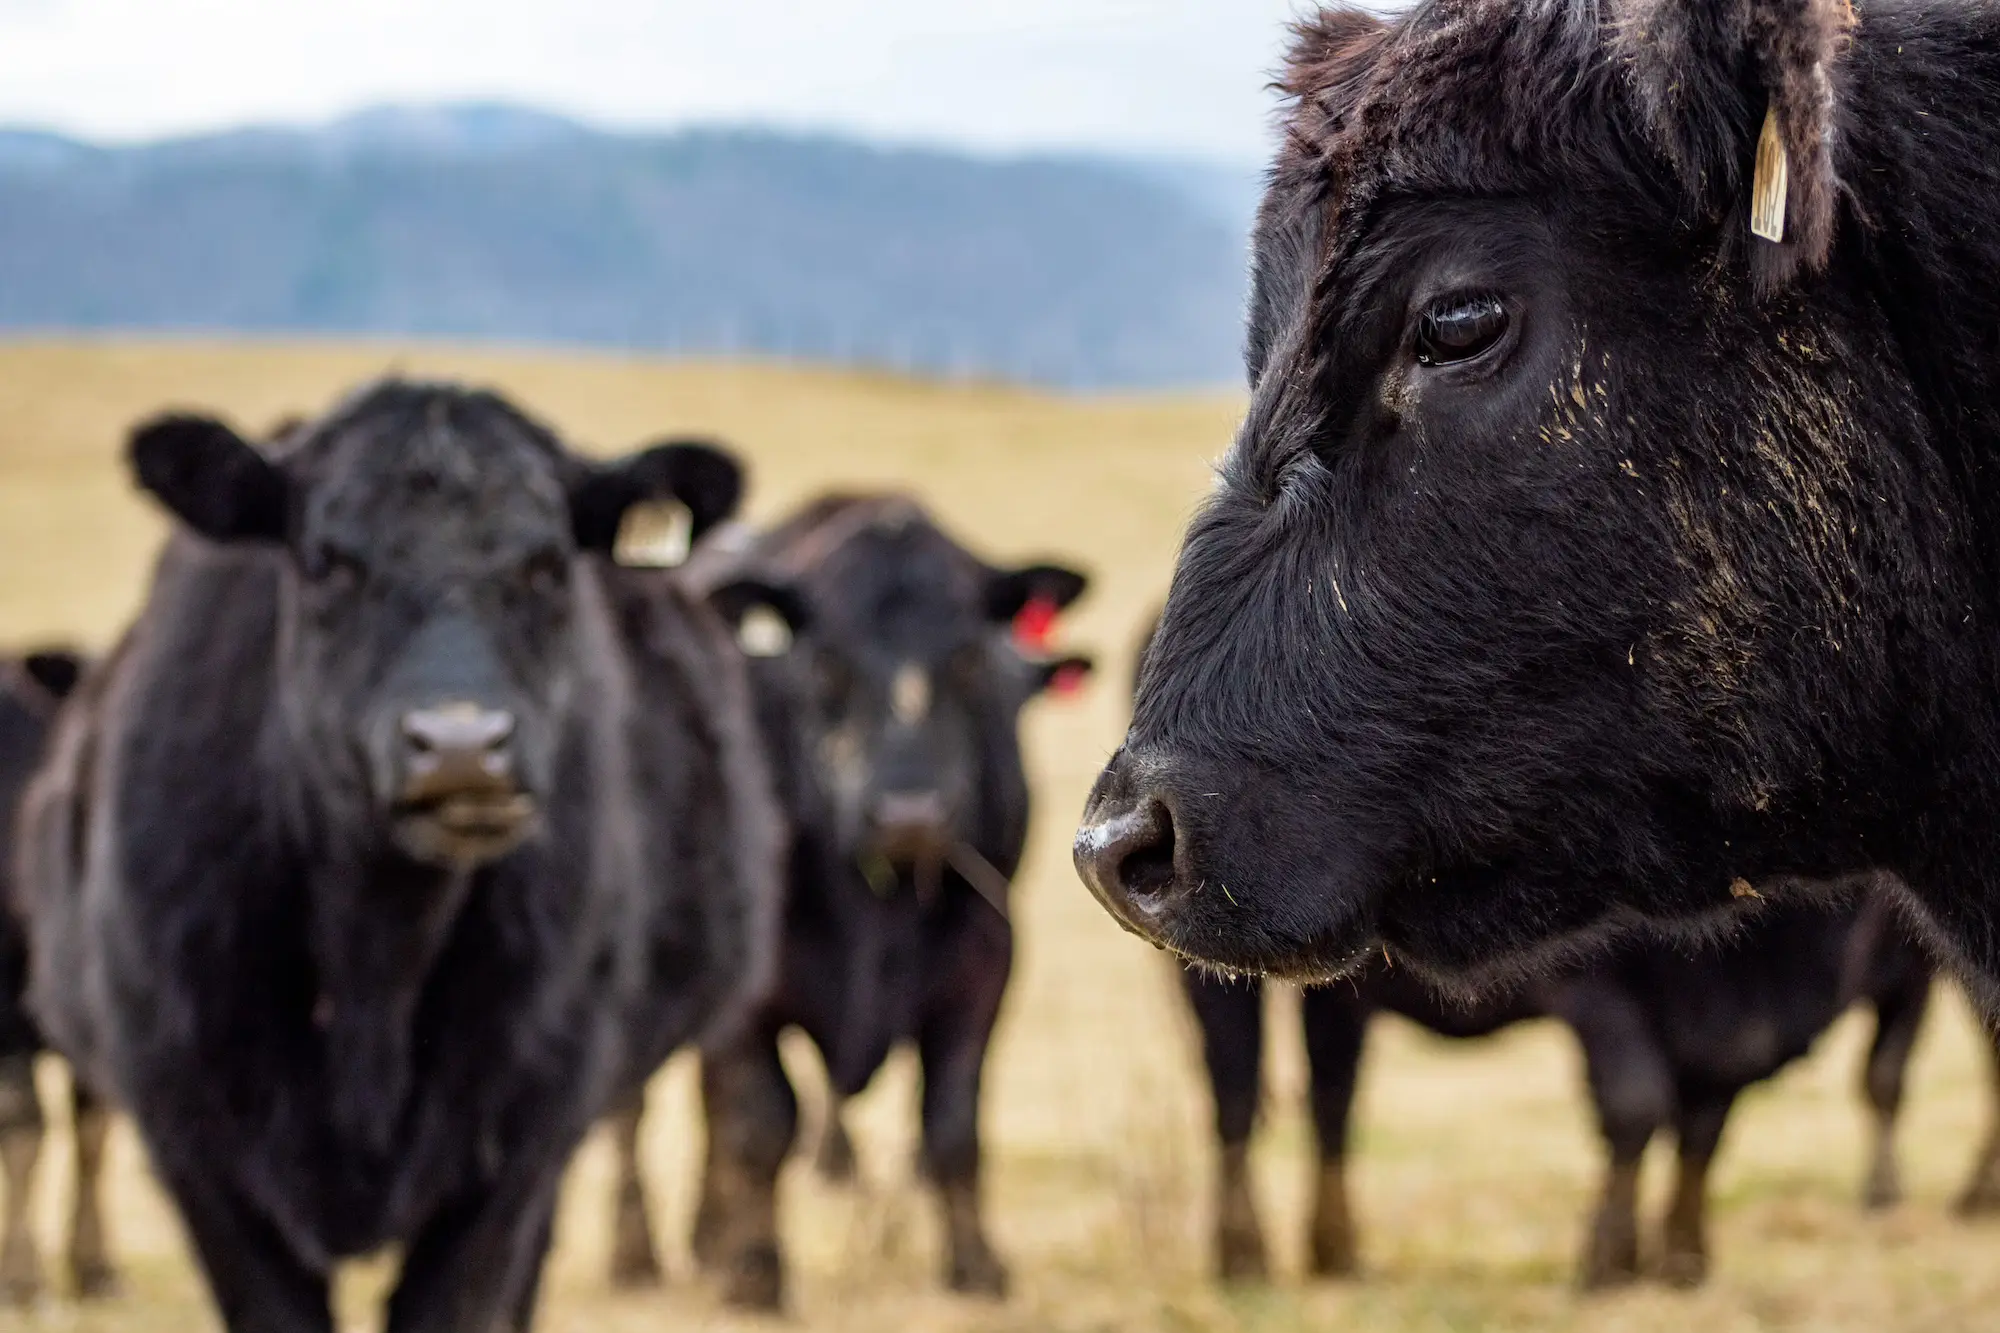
[
  {"x": 1584, "y": 556},
  {"x": 32, "y": 688},
  {"x": 892, "y": 718},
  {"x": 401, "y": 831}
]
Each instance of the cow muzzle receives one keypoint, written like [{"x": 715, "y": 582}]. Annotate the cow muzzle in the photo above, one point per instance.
[
  {"x": 460, "y": 802},
  {"x": 909, "y": 828}
]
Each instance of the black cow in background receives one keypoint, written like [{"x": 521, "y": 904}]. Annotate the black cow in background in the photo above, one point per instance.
[
  {"x": 1669, "y": 1039},
  {"x": 400, "y": 833},
  {"x": 892, "y": 719},
  {"x": 32, "y": 687}
]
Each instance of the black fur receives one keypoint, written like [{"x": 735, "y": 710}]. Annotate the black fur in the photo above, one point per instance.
[
  {"x": 1687, "y": 583},
  {"x": 344, "y": 1015}
]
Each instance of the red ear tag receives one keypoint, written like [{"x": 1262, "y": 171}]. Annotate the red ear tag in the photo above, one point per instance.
[
  {"x": 1035, "y": 625},
  {"x": 1068, "y": 682}
]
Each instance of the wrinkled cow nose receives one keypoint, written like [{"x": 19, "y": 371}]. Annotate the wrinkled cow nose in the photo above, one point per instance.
[
  {"x": 1125, "y": 854},
  {"x": 456, "y": 749}
]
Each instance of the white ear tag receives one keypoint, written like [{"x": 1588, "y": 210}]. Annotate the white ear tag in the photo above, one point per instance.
[
  {"x": 1768, "y": 186},
  {"x": 654, "y": 535}
]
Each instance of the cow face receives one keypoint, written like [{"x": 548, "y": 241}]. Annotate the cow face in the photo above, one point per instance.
[
  {"x": 909, "y": 680},
  {"x": 1553, "y": 577},
  {"x": 435, "y": 566}
]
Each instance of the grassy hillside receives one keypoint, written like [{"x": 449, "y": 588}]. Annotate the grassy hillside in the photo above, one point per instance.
[{"x": 1475, "y": 1162}]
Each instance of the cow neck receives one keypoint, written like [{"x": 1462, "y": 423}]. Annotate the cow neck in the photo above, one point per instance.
[{"x": 378, "y": 928}]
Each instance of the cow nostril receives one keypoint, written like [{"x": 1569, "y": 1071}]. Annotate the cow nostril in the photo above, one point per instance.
[
  {"x": 1147, "y": 869},
  {"x": 1128, "y": 858}
]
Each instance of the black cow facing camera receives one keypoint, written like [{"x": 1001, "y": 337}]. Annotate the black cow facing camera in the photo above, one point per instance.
[
  {"x": 891, "y": 706},
  {"x": 1585, "y": 554},
  {"x": 401, "y": 833}
]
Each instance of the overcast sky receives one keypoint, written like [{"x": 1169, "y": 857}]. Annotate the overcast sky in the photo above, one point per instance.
[{"x": 1175, "y": 76}]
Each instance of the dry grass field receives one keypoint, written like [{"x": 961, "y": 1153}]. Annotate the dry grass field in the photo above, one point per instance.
[{"x": 1475, "y": 1162}]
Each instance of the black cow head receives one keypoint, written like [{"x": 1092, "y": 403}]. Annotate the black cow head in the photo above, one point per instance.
[
  {"x": 435, "y": 544},
  {"x": 905, "y": 661},
  {"x": 1560, "y": 572}
]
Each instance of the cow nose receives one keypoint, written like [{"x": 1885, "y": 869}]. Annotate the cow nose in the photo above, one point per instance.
[
  {"x": 456, "y": 748},
  {"x": 908, "y": 823},
  {"x": 1125, "y": 854}
]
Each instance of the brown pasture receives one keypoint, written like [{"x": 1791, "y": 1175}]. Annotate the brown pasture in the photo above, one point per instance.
[{"x": 1474, "y": 1163}]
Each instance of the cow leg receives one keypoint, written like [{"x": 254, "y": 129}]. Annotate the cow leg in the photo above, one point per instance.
[
  {"x": 836, "y": 1161},
  {"x": 1899, "y": 1015},
  {"x": 753, "y": 1117},
  {"x": 1699, "y": 1122},
  {"x": 635, "y": 1259},
  {"x": 1982, "y": 1192},
  {"x": 951, "y": 1046},
  {"x": 258, "y": 1283},
  {"x": 1632, "y": 1089},
  {"x": 475, "y": 1266},
  {"x": 21, "y": 1130},
  {"x": 90, "y": 1266},
  {"x": 523, "y": 1319},
  {"x": 1336, "y": 1026},
  {"x": 1231, "y": 1017}
]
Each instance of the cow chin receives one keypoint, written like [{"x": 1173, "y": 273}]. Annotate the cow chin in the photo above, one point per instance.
[{"x": 467, "y": 831}]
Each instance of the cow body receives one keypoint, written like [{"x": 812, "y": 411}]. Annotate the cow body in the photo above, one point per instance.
[
  {"x": 363, "y": 963},
  {"x": 1585, "y": 557},
  {"x": 31, "y": 690},
  {"x": 891, "y": 721},
  {"x": 1669, "y": 1038}
]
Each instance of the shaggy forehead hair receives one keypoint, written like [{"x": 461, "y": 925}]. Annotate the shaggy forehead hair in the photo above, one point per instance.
[
  {"x": 441, "y": 430},
  {"x": 1644, "y": 99}
]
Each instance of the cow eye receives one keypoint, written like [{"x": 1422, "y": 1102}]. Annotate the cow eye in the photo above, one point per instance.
[{"x": 1460, "y": 328}]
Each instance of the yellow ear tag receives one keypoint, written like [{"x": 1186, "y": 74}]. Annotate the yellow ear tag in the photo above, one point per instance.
[{"x": 1768, "y": 186}]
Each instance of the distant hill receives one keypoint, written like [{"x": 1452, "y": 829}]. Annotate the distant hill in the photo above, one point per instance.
[{"x": 498, "y": 222}]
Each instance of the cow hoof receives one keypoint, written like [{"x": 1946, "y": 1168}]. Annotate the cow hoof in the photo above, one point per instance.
[
  {"x": 1608, "y": 1266},
  {"x": 979, "y": 1273},
  {"x": 20, "y": 1276},
  {"x": 635, "y": 1270},
  {"x": 97, "y": 1282},
  {"x": 1334, "y": 1256},
  {"x": 1685, "y": 1269},
  {"x": 1981, "y": 1200},
  {"x": 20, "y": 1291},
  {"x": 1885, "y": 1186},
  {"x": 1240, "y": 1257},
  {"x": 756, "y": 1281}
]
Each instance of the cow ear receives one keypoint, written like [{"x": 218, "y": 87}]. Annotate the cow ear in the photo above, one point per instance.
[
  {"x": 704, "y": 477},
  {"x": 1705, "y": 75},
  {"x": 1064, "y": 677},
  {"x": 211, "y": 478},
  {"x": 1010, "y": 591},
  {"x": 56, "y": 670}
]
